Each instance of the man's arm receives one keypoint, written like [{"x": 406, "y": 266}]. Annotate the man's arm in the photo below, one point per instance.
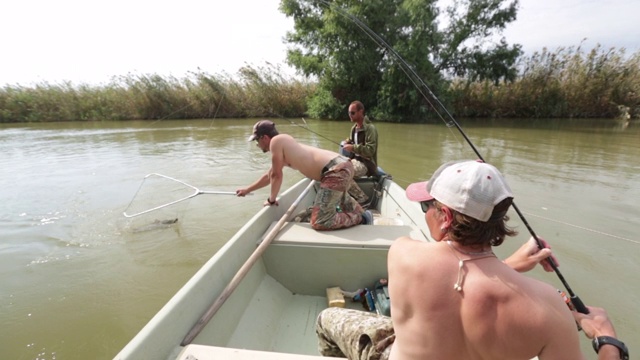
[
  {"x": 258, "y": 184},
  {"x": 277, "y": 149},
  {"x": 597, "y": 323}
]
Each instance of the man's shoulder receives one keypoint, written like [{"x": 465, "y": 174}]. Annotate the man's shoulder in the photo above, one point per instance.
[
  {"x": 370, "y": 128},
  {"x": 283, "y": 139},
  {"x": 406, "y": 244}
]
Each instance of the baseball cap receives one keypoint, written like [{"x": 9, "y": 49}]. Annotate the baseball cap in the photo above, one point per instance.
[
  {"x": 470, "y": 187},
  {"x": 262, "y": 127}
]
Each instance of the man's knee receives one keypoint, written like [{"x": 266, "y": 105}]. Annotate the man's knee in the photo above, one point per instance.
[{"x": 327, "y": 318}]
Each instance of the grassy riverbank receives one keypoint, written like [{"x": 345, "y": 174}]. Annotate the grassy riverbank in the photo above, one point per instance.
[{"x": 567, "y": 83}]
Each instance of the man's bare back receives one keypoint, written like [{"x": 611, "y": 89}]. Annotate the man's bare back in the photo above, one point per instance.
[
  {"x": 304, "y": 158},
  {"x": 487, "y": 320}
]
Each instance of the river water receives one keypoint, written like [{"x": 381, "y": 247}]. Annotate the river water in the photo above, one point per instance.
[{"x": 78, "y": 279}]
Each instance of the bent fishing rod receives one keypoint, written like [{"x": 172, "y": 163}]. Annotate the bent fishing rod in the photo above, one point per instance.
[{"x": 423, "y": 89}]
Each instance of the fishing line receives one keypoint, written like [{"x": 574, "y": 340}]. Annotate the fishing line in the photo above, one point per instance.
[
  {"x": 306, "y": 126},
  {"x": 167, "y": 116},
  {"x": 583, "y": 228},
  {"x": 423, "y": 89},
  {"x": 215, "y": 114}
]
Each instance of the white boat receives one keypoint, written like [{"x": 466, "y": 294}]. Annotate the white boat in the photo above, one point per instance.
[{"x": 265, "y": 287}]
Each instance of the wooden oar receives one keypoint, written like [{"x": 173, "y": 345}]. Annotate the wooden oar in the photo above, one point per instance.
[{"x": 233, "y": 284}]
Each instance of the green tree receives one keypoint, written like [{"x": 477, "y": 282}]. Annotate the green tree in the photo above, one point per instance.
[{"x": 437, "y": 43}]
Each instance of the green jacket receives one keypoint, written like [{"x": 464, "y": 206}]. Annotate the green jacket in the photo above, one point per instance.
[{"x": 368, "y": 149}]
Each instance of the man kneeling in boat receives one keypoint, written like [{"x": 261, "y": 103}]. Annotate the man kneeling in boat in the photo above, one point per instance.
[
  {"x": 333, "y": 207},
  {"x": 453, "y": 299}
]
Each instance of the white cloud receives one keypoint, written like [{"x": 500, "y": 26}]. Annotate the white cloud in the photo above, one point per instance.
[
  {"x": 553, "y": 24},
  {"x": 92, "y": 41}
]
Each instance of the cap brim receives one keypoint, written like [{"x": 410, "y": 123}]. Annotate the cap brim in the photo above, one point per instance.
[
  {"x": 418, "y": 192},
  {"x": 252, "y": 137}
]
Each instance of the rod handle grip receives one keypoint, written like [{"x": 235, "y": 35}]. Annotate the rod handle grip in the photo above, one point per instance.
[{"x": 579, "y": 305}]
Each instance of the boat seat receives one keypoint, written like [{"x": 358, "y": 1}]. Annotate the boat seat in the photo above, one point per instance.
[
  {"x": 362, "y": 236},
  {"x": 204, "y": 352}
]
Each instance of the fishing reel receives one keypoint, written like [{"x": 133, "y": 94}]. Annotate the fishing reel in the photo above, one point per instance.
[
  {"x": 344, "y": 152},
  {"x": 567, "y": 300}
]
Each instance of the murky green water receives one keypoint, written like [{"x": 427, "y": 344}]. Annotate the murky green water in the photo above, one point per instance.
[{"x": 78, "y": 279}]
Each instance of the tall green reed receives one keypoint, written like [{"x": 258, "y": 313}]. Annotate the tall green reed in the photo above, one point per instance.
[
  {"x": 567, "y": 83},
  {"x": 262, "y": 91}
]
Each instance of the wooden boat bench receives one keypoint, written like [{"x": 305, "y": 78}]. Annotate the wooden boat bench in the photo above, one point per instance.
[{"x": 362, "y": 236}]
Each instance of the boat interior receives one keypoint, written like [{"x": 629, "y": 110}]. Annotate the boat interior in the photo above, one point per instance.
[
  {"x": 272, "y": 313},
  {"x": 275, "y": 308}
]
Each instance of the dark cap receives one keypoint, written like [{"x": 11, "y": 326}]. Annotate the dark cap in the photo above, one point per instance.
[{"x": 263, "y": 127}]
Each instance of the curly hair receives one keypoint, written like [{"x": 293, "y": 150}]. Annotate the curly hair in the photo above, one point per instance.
[{"x": 468, "y": 231}]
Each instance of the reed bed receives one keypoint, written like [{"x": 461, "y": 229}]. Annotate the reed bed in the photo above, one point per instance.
[
  {"x": 255, "y": 92},
  {"x": 566, "y": 83}
]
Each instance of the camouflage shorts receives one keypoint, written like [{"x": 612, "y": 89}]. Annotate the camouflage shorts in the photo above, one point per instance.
[
  {"x": 333, "y": 207},
  {"x": 359, "y": 169},
  {"x": 355, "y": 334}
]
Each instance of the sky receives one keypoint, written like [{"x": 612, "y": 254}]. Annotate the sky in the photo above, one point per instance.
[{"x": 90, "y": 42}]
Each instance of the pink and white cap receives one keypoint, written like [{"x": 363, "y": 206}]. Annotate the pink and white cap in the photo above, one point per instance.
[{"x": 470, "y": 187}]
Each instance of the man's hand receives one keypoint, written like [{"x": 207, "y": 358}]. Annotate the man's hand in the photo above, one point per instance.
[
  {"x": 242, "y": 192},
  {"x": 348, "y": 147},
  {"x": 595, "y": 323},
  {"x": 529, "y": 254},
  {"x": 269, "y": 203}
]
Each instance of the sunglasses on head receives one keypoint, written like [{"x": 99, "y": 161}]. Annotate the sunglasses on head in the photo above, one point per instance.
[{"x": 425, "y": 205}]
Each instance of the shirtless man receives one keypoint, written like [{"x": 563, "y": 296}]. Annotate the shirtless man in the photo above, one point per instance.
[
  {"x": 333, "y": 207},
  {"x": 453, "y": 299}
]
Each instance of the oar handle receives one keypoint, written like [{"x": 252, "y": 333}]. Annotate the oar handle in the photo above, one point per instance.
[{"x": 242, "y": 272}]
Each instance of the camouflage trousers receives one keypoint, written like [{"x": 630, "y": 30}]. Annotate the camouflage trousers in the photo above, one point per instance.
[
  {"x": 354, "y": 334},
  {"x": 333, "y": 207},
  {"x": 359, "y": 169}
]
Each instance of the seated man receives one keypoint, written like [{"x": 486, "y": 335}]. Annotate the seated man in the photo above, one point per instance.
[
  {"x": 453, "y": 299},
  {"x": 362, "y": 145}
]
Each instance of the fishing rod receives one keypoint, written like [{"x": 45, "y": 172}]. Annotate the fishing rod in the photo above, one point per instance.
[
  {"x": 306, "y": 126},
  {"x": 422, "y": 87}
]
